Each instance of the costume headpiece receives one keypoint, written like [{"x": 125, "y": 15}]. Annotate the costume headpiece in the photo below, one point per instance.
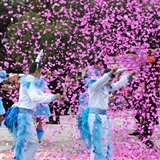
[
  {"x": 39, "y": 57},
  {"x": 99, "y": 57}
]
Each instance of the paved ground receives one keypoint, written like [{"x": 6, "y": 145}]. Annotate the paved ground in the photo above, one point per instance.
[{"x": 64, "y": 138}]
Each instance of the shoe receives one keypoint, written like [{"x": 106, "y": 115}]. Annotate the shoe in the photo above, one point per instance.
[{"x": 135, "y": 133}]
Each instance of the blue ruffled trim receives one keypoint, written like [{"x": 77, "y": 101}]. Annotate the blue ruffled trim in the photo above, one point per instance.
[
  {"x": 27, "y": 84},
  {"x": 20, "y": 142},
  {"x": 3, "y": 74},
  {"x": 11, "y": 120},
  {"x": 83, "y": 99},
  {"x": 92, "y": 72},
  {"x": 79, "y": 120},
  {"x": 97, "y": 72},
  {"x": 38, "y": 82},
  {"x": 22, "y": 80},
  {"x": 41, "y": 84},
  {"x": 109, "y": 150},
  {"x": 2, "y": 110},
  {"x": 84, "y": 127},
  {"x": 89, "y": 82},
  {"x": 97, "y": 138},
  {"x": 40, "y": 133},
  {"x": 42, "y": 111}
]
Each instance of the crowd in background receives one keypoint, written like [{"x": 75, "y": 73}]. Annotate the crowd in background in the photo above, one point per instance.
[{"x": 68, "y": 85}]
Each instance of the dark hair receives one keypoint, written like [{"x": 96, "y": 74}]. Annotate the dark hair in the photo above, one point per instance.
[
  {"x": 108, "y": 70},
  {"x": 33, "y": 67}
]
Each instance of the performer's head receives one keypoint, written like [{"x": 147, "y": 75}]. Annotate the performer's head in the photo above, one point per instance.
[
  {"x": 112, "y": 76},
  {"x": 35, "y": 70},
  {"x": 97, "y": 64}
]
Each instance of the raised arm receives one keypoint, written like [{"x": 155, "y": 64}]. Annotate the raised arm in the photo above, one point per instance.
[
  {"x": 100, "y": 82},
  {"x": 42, "y": 97},
  {"x": 103, "y": 80},
  {"x": 121, "y": 82},
  {"x": 37, "y": 97}
]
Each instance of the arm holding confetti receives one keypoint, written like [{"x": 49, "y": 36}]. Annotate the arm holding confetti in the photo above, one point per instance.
[
  {"x": 121, "y": 82},
  {"x": 98, "y": 119},
  {"x": 103, "y": 80}
]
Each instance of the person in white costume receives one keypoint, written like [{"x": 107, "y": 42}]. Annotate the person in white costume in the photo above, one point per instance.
[
  {"x": 98, "y": 120},
  {"x": 19, "y": 118}
]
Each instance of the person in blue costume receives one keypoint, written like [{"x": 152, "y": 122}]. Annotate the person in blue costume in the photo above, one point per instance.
[
  {"x": 98, "y": 120},
  {"x": 2, "y": 110},
  {"x": 83, "y": 109},
  {"x": 42, "y": 109},
  {"x": 82, "y": 119},
  {"x": 19, "y": 118}
]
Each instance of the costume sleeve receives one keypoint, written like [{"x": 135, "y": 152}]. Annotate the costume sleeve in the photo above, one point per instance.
[
  {"x": 119, "y": 84},
  {"x": 37, "y": 97},
  {"x": 100, "y": 82}
]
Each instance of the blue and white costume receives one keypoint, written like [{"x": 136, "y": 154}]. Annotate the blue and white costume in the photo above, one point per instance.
[
  {"x": 83, "y": 110},
  {"x": 2, "y": 78},
  {"x": 83, "y": 101},
  {"x": 82, "y": 118},
  {"x": 98, "y": 120},
  {"x": 20, "y": 121}
]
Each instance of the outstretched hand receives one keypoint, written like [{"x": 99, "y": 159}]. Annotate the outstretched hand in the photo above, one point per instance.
[
  {"x": 132, "y": 73},
  {"x": 59, "y": 97},
  {"x": 63, "y": 98},
  {"x": 114, "y": 69}
]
